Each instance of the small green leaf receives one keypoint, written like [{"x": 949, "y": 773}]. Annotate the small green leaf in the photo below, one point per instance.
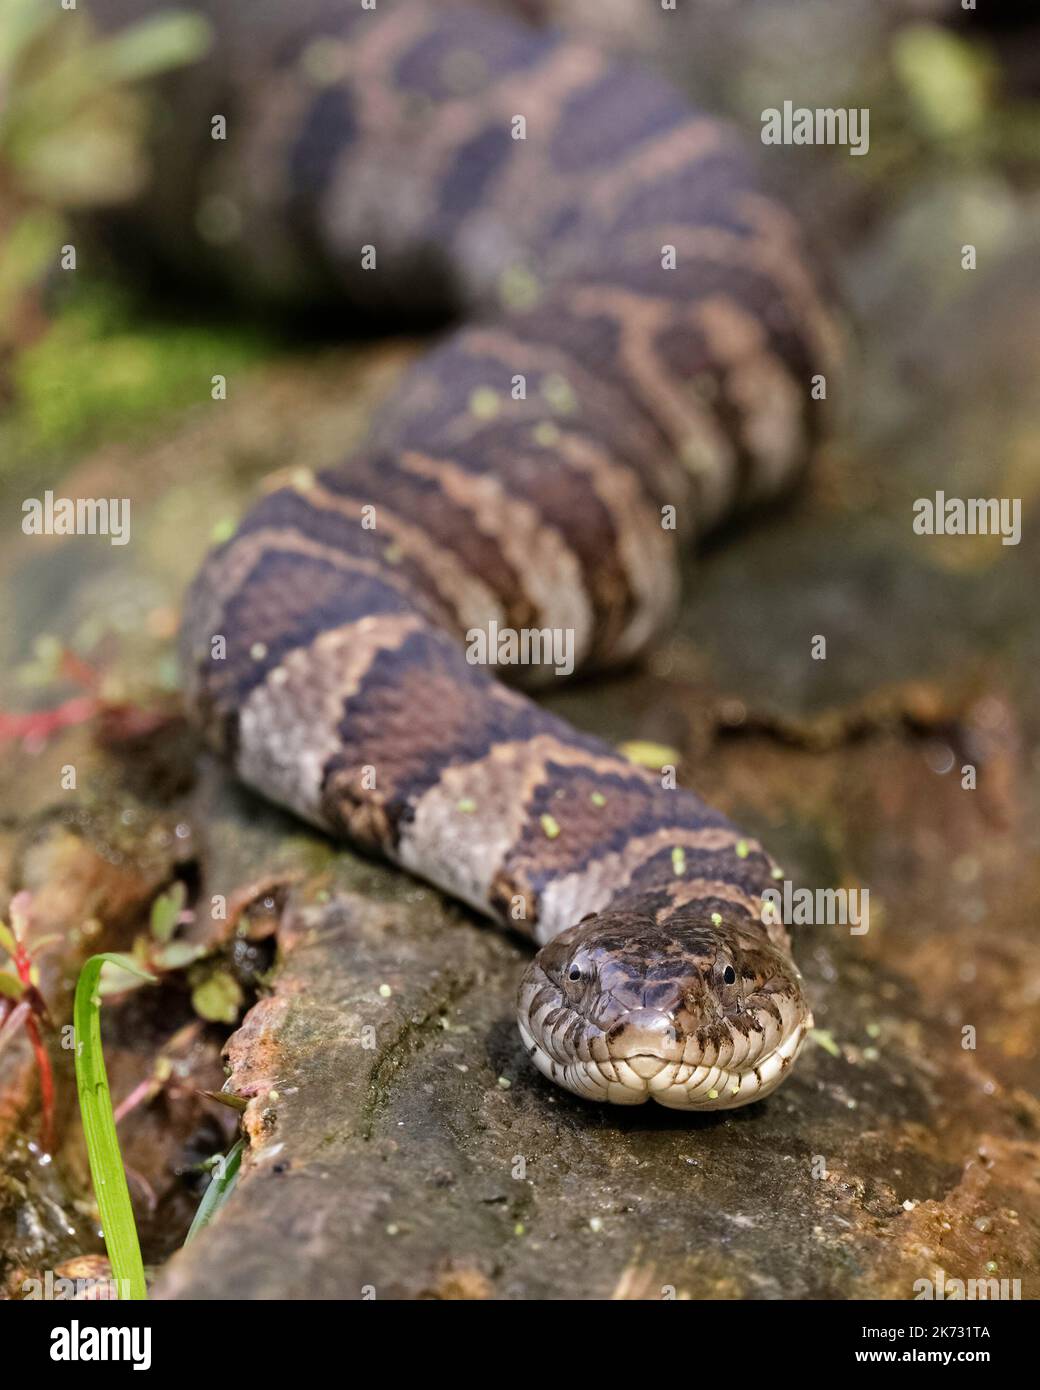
[
  {"x": 126, "y": 974},
  {"x": 225, "y": 1175},
  {"x": 155, "y": 44},
  {"x": 7, "y": 940},
  {"x": 178, "y": 955},
  {"x": 11, "y": 985},
  {"x": 218, "y": 998},
  {"x": 228, "y": 1098},
  {"x": 949, "y": 80},
  {"x": 166, "y": 909}
]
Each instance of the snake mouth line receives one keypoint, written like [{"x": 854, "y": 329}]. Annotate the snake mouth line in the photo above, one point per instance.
[{"x": 677, "y": 1085}]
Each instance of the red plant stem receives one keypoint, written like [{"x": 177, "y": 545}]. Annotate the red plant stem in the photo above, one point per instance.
[
  {"x": 141, "y": 1092},
  {"x": 23, "y": 966},
  {"x": 43, "y": 1063},
  {"x": 43, "y": 723}
]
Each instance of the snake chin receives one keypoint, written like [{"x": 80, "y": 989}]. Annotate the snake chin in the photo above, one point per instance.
[
  {"x": 691, "y": 1015},
  {"x": 677, "y": 1085}
]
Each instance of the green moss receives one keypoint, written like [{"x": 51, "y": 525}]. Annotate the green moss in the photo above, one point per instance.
[{"x": 100, "y": 372}]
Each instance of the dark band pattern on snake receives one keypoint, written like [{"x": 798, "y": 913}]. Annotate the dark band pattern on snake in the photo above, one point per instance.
[{"x": 638, "y": 332}]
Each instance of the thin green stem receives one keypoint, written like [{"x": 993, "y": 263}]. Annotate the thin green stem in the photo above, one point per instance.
[
  {"x": 222, "y": 1184},
  {"x": 99, "y": 1128}
]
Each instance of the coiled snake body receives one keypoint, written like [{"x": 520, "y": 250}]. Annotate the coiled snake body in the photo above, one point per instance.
[{"x": 638, "y": 341}]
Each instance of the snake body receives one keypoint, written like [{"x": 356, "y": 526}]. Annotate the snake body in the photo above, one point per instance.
[{"x": 638, "y": 333}]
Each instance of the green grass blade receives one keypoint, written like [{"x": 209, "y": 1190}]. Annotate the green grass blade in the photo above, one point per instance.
[
  {"x": 225, "y": 1175},
  {"x": 99, "y": 1128}
]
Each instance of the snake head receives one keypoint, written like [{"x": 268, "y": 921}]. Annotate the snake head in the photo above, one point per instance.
[{"x": 704, "y": 1012}]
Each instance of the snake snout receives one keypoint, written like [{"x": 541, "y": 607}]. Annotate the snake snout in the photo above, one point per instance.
[{"x": 646, "y": 1039}]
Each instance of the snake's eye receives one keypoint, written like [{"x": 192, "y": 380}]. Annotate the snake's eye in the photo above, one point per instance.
[
  {"x": 574, "y": 973},
  {"x": 726, "y": 982}
]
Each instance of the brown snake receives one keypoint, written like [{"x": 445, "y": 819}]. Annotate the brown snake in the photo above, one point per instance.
[{"x": 640, "y": 333}]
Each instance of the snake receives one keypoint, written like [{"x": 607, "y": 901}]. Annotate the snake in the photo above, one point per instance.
[{"x": 628, "y": 332}]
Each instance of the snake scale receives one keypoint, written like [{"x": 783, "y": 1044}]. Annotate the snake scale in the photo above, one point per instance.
[{"x": 637, "y": 331}]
